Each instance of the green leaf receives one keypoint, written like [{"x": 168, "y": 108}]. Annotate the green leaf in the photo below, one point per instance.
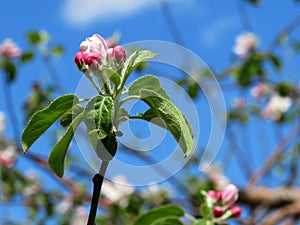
[
  {"x": 205, "y": 210},
  {"x": 168, "y": 221},
  {"x": 134, "y": 60},
  {"x": 67, "y": 117},
  {"x": 113, "y": 76},
  {"x": 106, "y": 148},
  {"x": 57, "y": 50},
  {"x": 26, "y": 57},
  {"x": 98, "y": 116},
  {"x": 147, "y": 82},
  {"x": 203, "y": 222},
  {"x": 175, "y": 121},
  {"x": 276, "y": 62},
  {"x": 43, "y": 119},
  {"x": 122, "y": 116},
  {"x": 154, "y": 216},
  {"x": 57, "y": 156}
]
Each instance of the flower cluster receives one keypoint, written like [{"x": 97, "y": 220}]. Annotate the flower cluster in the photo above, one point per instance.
[
  {"x": 222, "y": 202},
  {"x": 9, "y": 49},
  {"x": 276, "y": 107},
  {"x": 94, "y": 52},
  {"x": 245, "y": 43}
]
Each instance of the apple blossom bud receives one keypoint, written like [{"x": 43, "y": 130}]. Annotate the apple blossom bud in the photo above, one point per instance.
[
  {"x": 119, "y": 54},
  {"x": 80, "y": 60},
  {"x": 218, "y": 211},
  {"x": 230, "y": 194},
  {"x": 214, "y": 194},
  {"x": 236, "y": 211},
  {"x": 92, "y": 59}
]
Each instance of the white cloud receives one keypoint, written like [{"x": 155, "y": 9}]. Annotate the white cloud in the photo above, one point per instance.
[
  {"x": 79, "y": 12},
  {"x": 215, "y": 31}
]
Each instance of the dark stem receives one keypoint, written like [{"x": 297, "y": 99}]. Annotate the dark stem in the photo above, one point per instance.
[
  {"x": 10, "y": 107},
  {"x": 97, "y": 181}
]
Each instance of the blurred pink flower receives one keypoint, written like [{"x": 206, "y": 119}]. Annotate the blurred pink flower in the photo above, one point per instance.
[
  {"x": 276, "y": 106},
  {"x": 117, "y": 192},
  {"x": 230, "y": 194},
  {"x": 240, "y": 102},
  {"x": 80, "y": 217},
  {"x": 259, "y": 90},
  {"x": 8, "y": 156},
  {"x": 244, "y": 44},
  {"x": 216, "y": 175},
  {"x": 236, "y": 211},
  {"x": 10, "y": 49}
]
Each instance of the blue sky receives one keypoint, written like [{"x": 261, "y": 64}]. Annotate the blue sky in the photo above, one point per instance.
[{"x": 207, "y": 27}]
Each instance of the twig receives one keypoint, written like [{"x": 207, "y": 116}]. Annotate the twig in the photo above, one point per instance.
[
  {"x": 10, "y": 107},
  {"x": 278, "y": 151},
  {"x": 171, "y": 22},
  {"x": 286, "y": 30},
  {"x": 244, "y": 15},
  {"x": 97, "y": 181}
]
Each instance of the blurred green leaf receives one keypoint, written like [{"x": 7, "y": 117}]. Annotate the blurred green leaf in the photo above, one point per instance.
[
  {"x": 37, "y": 37},
  {"x": 27, "y": 56},
  {"x": 58, "y": 50},
  {"x": 205, "y": 210}
]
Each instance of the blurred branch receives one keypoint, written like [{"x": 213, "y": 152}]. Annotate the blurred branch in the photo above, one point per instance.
[
  {"x": 10, "y": 107},
  {"x": 171, "y": 22},
  {"x": 244, "y": 15},
  {"x": 278, "y": 151},
  {"x": 284, "y": 32}
]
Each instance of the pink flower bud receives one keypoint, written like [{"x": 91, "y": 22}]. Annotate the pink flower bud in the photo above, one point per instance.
[
  {"x": 80, "y": 60},
  {"x": 214, "y": 194},
  {"x": 230, "y": 195},
  {"x": 95, "y": 44},
  {"x": 92, "y": 59},
  {"x": 236, "y": 211},
  {"x": 218, "y": 211},
  {"x": 118, "y": 54}
]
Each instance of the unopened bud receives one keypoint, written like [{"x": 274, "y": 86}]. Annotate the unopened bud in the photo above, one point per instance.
[
  {"x": 236, "y": 211},
  {"x": 119, "y": 54},
  {"x": 218, "y": 211}
]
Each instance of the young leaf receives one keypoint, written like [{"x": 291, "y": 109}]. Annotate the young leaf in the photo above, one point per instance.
[
  {"x": 205, "y": 210},
  {"x": 175, "y": 121},
  {"x": 276, "y": 62},
  {"x": 154, "y": 216},
  {"x": 134, "y": 60},
  {"x": 106, "y": 148},
  {"x": 57, "y": 156},
  {"x": 113, "y": 76},
  {"x": 43, "y": 119},
  {"x": 147, "y": 82},
  {"x": 67, "y": 117},
  {"x": 98, "y": 115}
]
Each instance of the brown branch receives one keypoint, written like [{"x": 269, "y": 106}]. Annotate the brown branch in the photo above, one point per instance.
[
  {"x": 282, "y": 213},
  {"x": 278, "y": 151}
]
